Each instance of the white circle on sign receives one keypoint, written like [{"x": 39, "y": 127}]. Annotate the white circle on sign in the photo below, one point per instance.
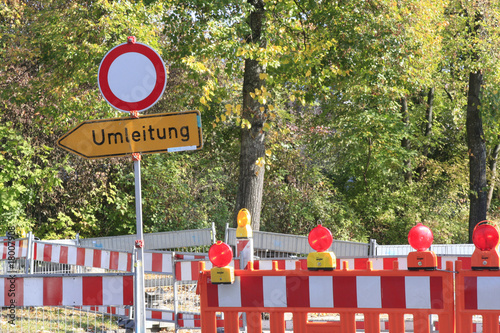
[{"x": 132, "y": 83}]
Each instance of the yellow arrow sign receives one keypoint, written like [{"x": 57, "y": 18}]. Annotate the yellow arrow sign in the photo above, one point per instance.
[{"x": 156, "y": 133}]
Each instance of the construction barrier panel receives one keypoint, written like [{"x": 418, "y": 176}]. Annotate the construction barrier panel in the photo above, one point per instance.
[
  {"x": 64, "y": 290},
  {"x": 13, "y": 249},
  {"x": 370, "y": 292},
  {"x": 477, "y": 294},
  {"x": 80, "y": 256}
]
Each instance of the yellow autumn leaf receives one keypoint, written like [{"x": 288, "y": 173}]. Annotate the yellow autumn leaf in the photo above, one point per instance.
[
  {"x": 245, "y": 124},
  {"x": 223, "y": 117},
  {"x": 229, "y": 107},
  {"x": 252, "y": 95},
  {"x": 308, "y": 73},
  {"x": 260, "y": 162},
  {"x": 263, "y": 76},
  {"x": 268, "y": 152},
  {"x": 292, "y": 98},
  {"x": 270, "y": 107},
  {"x": 262, "y": 109},
  {"x": 203, "y": 100},
  {"x": 266, "y": 127}
]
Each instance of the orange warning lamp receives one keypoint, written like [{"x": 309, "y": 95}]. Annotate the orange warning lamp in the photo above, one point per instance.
[
  {"x": 220, "y": 255},
  {"x": 320, "y": 239},
  {"x": 420, "y": 238},
  {"x": 243, "y": 230},
  {"x": 486, "y": 239}
]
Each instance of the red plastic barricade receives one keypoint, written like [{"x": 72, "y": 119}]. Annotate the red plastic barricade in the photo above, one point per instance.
[
  {"x": 477, "y": 293},
  {"x": 395, "y": 293}
]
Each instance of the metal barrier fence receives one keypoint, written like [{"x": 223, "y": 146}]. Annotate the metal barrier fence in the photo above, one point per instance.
[
  {"x": 174, "y": 299},
  {"x": 154, "y": 241},
  {"x": 274, "y": 245}
]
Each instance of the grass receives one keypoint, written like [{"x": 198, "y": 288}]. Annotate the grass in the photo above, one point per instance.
[{"x": 56, "y": 320}]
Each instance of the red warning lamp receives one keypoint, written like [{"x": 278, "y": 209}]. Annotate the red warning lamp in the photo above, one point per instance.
[
  {"x": 320, "y": 239},
  {"x": 485, "y": 236},
  {"x": 486, "y": 239},
  {"x": 420, "y": 238},
  {"x": 220, "y": 255}
]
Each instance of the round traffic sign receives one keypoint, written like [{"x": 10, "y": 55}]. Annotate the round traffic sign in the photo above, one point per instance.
[{"x": 132, "y": 77}]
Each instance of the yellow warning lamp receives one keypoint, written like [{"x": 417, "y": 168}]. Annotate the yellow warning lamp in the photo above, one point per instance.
[
  {"x": 220, "y": 255},
  {"x": 243, "y": 230},
  {"x": 420, "y": 238},
  {"x": 320, "y": 239},
  {"x": 485, "y": 238}
]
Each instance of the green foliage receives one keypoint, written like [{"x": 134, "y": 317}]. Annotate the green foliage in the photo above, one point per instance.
[
  {"x": 336, "y": 73},
  {"x": 26, "y": 177}
]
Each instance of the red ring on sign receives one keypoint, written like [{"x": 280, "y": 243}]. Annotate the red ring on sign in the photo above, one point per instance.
[{"x": 152, "y": 98}]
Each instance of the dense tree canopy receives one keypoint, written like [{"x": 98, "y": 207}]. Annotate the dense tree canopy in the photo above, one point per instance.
[{"x": 359, "y": 109}]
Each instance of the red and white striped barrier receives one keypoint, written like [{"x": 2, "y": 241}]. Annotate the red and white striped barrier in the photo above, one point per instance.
[
  {"x": 186, "y": 266},
  {"x": 244, "y": 251},
  {"x": 184, "y": 320},
  {"x": 160, "y": 315},
  {"x": 360, "y": 325},
  {"x": 13, "y": 249},
  {"x": 80, "y": 256},
  {"x": 158, "y": 262},
  {"x": 113, "y": 310},
  {"x": 482, "y": 293},
  {"x": 67, "y": 291},
  {"x": 91, "y": 257},
  {"x": 357, "y": 263},
  {"x": 187, "y": 320},
  {"x": 410, "y": 292},
  {"x": 188, "y": 270}
]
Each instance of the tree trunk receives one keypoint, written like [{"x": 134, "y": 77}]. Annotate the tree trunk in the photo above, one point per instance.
[
  {"x": 493, "y": 168},
  {"x": 252, "y": 153},
  {"x": 427, "y": 133},
  {"x": 428, "y": 116},
  {"x": 405, "y": 142},
  {"x": 477, "y": 154}
]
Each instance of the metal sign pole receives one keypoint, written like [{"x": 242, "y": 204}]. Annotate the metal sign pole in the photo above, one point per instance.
[{"x": 140, "y": 304}]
